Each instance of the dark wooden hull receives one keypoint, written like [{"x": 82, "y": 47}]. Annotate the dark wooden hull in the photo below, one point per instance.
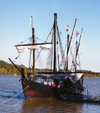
[{"x": 39, "y": 90}]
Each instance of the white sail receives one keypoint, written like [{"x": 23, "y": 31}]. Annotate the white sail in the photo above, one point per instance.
[
  {"x": 23, "y": 48},
  {"x": 74, "y": 76}
]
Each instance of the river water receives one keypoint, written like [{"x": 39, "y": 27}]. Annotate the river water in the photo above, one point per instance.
[{"x": 11, "y": 87}]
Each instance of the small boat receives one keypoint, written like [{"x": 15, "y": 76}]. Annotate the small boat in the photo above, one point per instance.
[
  {"x": 81, "y": 98},
  {"x": 54, "y": 82}
]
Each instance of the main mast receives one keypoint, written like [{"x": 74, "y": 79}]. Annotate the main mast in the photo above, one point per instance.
[
  {"x": 55, "y": 31},
  {"x": 33, "y": 37}
]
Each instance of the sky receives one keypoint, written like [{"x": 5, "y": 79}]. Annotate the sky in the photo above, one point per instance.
[{"x": 14, "y": 25}]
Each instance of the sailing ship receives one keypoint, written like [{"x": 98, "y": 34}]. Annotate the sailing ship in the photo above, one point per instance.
[{"x": 54, "y": 83}]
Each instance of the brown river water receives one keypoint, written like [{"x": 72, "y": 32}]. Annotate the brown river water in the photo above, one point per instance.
[{"x": 11, "y": 87}]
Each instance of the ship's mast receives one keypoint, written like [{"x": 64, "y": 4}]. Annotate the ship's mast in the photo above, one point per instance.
[
  {"x": 77, "y": 49},
  {"x": 33, "y": 37},
  {"x": 67, "y": 52},
  {"x": 55, "y": 31},
  {"x": 68, "y": 48}
]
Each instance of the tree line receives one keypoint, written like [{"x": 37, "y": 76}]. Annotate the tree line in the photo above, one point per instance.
[{"x": 9, "y": 69}]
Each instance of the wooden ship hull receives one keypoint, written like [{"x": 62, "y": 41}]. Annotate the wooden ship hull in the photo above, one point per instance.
[
  {"x": 34, "y": 90},
  {"x": 37, "y": 90}
]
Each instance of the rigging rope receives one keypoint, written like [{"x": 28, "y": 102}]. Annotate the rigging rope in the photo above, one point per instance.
[
  {"x": 30, "y": 58},
  {"x": 39, "y": 60},
  {"x": 79, "y": 62},
  {"x": 30, "y": 40},
  {"x": 25, "y": 40},
  {"x": 61, "y": 50},
  {"x": 13, "y": 96},
  {"x": 50, "y": 55},
  {"x": 62, "y": 36},
  {"x": 49, "y": 34},
  {"x": 50, "y": 59},
  {"x": 40, "y": 39},
  {"x": 45, "y": 42},
  {"x": 73, "y": 63}
]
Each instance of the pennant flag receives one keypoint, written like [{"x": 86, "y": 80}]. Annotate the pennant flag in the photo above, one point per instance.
[
  {"x": 30, "y": 21},
  {"x": 77, "y": 33},
  {"x": 67, "y": 28}
]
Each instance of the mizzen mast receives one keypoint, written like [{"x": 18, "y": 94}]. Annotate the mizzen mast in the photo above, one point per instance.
[
  {"x": 68, "y": 48},
  {"x": 77, "y": 49}
]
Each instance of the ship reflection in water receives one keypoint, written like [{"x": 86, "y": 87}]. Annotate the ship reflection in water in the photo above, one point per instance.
[{"x": 50, "y": 106}]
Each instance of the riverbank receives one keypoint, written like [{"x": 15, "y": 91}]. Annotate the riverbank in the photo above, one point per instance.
[{"x": 9, "y": 69}]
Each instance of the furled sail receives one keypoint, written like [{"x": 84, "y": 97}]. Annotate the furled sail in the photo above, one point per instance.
[
  {"x": 74, "y": 76},
  {"x": 23, "y": 48}
]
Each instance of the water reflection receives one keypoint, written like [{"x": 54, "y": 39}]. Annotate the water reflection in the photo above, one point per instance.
[{"x": 49, "y": 106}]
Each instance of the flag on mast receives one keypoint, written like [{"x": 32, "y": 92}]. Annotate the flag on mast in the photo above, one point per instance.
[
  {"x": 67, "y": 28},
  {"x": 31, "y": 21},
  {"x": 77, "y": 33}
]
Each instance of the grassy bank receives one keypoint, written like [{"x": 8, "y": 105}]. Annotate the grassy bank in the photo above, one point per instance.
[{"x": 9, "y": 69}]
